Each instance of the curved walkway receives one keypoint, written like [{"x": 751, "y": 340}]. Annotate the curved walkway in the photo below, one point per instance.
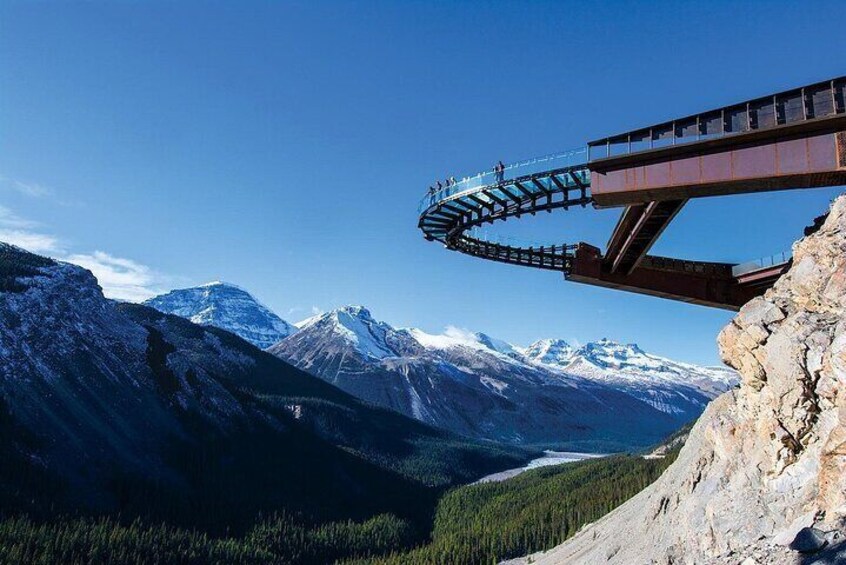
[
  {"x": 544, "y": 184},
  {"x": 791, "y": 139}
]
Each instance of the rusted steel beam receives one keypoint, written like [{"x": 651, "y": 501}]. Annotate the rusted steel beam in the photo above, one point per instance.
[
  {"x": 815, "y": 102},
  {"x": 646, "y": 212},
  {"x": 707, "y": 284},
  {"x": 637, "y": 231},
  {"x": 799, "y": 161},
  {"x": 764, "y": 276},
  {"x": 625, "y": 223},
  {"x": 809, "y": 128}
]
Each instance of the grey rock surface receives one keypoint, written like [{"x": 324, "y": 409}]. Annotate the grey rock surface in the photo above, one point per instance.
[{"x": 766, "y": 460}]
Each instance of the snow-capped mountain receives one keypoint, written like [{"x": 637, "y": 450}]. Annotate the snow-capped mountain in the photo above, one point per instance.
[
  {"x": 553, "y": 352},
  {"x": 228, "y": 307},
  {"x": 603, "y": 394},
  {"x": 109, "y": 406},
  {"x": 667, "y": 385}
]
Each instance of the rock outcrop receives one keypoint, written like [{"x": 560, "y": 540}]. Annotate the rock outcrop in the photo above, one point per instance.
[{"x": 765, "y": 460}]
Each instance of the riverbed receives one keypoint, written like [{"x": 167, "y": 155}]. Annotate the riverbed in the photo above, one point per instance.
[{"x": 549, "y": 458}]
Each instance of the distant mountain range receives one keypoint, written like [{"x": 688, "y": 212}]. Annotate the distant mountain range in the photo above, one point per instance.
[
  {"x": 228, "y": 307},
  {"x": 599, "y": 396},
  {"x": 118, "y": 407}
]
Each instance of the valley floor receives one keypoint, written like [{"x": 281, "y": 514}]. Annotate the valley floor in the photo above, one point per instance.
[
  {"x": 474, "y": 525},
  {"x": 549, "y": 458}
]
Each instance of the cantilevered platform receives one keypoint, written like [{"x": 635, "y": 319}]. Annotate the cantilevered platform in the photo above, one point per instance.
[{"x": 791, "y": 139}]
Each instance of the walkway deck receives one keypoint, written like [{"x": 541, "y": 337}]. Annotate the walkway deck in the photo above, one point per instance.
[{"x": 792, "y": 139}]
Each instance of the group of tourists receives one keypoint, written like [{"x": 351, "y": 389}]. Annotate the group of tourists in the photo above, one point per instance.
[
  {"x": 438, "y": 186},
  {"x": 499, "y": 171}
]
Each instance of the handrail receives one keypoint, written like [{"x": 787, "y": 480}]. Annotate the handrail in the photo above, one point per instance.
[
  {"x": 484, "y": 236},
  {"x": 481, "y": 180},
  {"x": 816, "y": 101},
  {"x": 762, "y": 263}
]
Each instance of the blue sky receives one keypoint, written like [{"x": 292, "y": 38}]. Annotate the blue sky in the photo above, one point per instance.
[{"x": 284, "y": 146}]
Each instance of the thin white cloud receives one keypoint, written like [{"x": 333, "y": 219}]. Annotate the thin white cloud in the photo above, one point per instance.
[
  {"x": 460, "y": 334},
  {"x": 22, "y": 232},
  {"x": 313, "y": 311},
  {"x": 120, "y": 278},
  {"x": 30, "y": 189},
  {"x": 34, "y": 242},
  {"x": 9, "y": 219}
]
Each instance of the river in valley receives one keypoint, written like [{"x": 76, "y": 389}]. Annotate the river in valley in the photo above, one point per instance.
[{"x": 549, "y": 458}]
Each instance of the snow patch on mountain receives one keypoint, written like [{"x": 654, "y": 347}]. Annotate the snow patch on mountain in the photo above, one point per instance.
[
  {"x": 478, "y": 385},
  {"x": 665, "y": 384},
  {"x": 549, "y": 352},
  {"x": 226, "y": 306},
  {"x": 609, "y": 360},
  {"x": 457, "y": 337},
  {"x": 357, "y": 326},
  {"x": 465, "y": 381}
]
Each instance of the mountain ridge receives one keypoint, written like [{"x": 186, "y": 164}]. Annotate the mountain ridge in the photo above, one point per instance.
[
  {"x": 430, "y": 377},
  {"x": 108, "y": 406},
  {"x": 476, "y": 385},
  {"x": 226, "y": 306}
]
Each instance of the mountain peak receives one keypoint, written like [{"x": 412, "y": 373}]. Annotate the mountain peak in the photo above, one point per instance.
[
  {"x": 226, "y": 306},
  {"x": 614, "y": 348},
  {"x": 462, "y": 380},
  {"x": 223, "y": 284},
  {"x": 356, "y": 326},
  {"x": 495, "y": 344},
  {"x": 550, "y": 351},
  {"x": 458, "y": 337},
  {"x": 355, "y": 310}
]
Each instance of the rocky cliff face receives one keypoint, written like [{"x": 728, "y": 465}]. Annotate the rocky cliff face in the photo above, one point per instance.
[{"x": 764, "y": 460}]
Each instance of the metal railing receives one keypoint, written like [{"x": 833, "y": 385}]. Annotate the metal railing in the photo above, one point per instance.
[
  {"x": 554, "y": 161},
  {"x": 762, "y": 263},
  {"x": 485, "y": 236},
  {"x": 810, "y": 102}
]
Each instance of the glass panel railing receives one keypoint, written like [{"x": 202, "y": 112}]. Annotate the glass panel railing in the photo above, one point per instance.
[
  {"x": 762, "y": 263},
  {"x": 515, "y": 170},
  {"x": 510, "y": 241}
]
